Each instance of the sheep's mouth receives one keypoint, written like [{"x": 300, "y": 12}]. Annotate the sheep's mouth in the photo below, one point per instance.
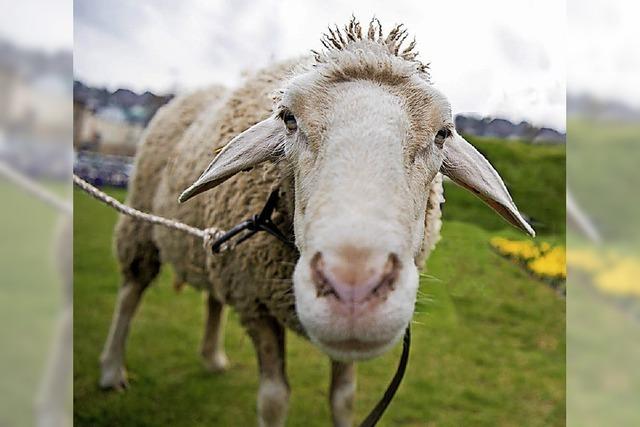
[{"x": 354, "y": 344}]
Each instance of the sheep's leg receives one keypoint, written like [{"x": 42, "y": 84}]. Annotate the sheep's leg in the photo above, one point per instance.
[
  {"x": 212, "y": 350},
  {"x": 114, "y": 374},
  {"x": 341, "y": 395},
  {"x": 139, "y": 261},
  {"x": 273, "y": 394}
]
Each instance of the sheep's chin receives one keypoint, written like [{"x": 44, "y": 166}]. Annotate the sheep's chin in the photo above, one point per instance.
[{"x": 350, "y": 350}]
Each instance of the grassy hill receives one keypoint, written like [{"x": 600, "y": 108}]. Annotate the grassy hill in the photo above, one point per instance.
[
  {"x": 488, "y": 339},
  {"x": 603, "y": 174}
]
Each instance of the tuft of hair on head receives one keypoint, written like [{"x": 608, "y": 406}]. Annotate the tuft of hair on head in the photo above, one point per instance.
[{"x": 340, "y": 39}]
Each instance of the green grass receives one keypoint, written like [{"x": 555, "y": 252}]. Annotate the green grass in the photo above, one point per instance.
[
  {"x": 30, "y": 297},
  {"x": 603, "y": 354},
  {"x": 602, "y": 171},
  {"x": 488, "y": 340},
  {"x": 603, "y": 379}
]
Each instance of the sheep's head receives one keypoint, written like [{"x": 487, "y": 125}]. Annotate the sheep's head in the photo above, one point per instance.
[{"x": 365, "y": 134}]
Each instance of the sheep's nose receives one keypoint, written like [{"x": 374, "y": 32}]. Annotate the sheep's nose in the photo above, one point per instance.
[{"x": 354, "y": 275}]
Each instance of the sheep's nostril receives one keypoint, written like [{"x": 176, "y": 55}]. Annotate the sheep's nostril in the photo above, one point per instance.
[
  {"x": 323, "y": 287},
  {"x": 354, "y": 282},
  {"x": 389, "y": 275}
]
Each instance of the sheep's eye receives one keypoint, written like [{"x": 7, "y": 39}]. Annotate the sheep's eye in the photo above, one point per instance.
[
  {"x": 290, "y": 121},
  {"x": 441, "y": 136}
]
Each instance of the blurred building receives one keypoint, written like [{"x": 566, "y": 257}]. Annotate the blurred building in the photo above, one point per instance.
[
  {"x": 8, "y": 79},
  {"x": 504, "y": 129},
  {"x": 41, "y": 105},
  {"x": 35, "y": 110},
  {"x": 107, "y": 131},
  {"x": 111, "y": 122}
]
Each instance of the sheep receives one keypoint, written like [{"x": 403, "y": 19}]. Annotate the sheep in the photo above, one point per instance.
[{"x": 355, "y": 140}]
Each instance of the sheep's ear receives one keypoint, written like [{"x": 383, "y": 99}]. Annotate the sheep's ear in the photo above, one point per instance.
[
  {"x": 469, "y": 169},
  {"x": 255, "y": 145}
]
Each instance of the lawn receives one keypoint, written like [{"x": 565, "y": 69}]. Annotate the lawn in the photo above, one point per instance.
[
  {"x": 604, "y": 326},
  {"x": 488, "y": 339},
  {"x": 30, "y": 298}
]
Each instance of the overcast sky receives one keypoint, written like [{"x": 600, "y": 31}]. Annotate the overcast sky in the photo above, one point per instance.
[
  {"x": 503, "y": 58},
  {"x": 604, "y": 58},
  {"x": 492, "y": 57},
  {"x": 41, "y": 24}
]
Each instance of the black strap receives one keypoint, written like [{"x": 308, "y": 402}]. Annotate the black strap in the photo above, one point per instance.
[
  {"x": 259, "y": 222},
  {"x": 263, "y": 222},
  {"x": 376, "y": 413}
]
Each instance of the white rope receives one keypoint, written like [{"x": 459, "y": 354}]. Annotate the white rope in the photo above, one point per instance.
[
  {"x": 34, "y": 188},
  {"x": 208, "y": 235}
]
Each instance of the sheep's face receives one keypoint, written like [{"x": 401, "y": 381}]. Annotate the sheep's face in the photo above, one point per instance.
[
  {"x": 364, "y": 139},
  {"x": 363, "y": 159}
]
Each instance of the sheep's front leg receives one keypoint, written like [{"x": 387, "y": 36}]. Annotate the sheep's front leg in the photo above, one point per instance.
[
  {"x": 112, "y": 359},
  {"x": 212, "y": 350},
  {"x": 273, "y": 394},
  {"x": 341, "y": 395}
]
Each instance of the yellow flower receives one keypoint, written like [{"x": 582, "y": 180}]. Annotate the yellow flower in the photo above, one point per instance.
[
  {"x": 622, "y": 279},
  {"x": 586, "y": 260},
  {"x": 552, "y": 264},
  {"x": 524, "y": 250},
  {"x": 543, "y": 260}
]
